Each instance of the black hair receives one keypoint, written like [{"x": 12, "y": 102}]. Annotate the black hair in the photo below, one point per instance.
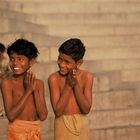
[
  {"x": 73, "y": 47},
  {"x": 2, "y": 48},
  {"x": 23, "y": 47}
]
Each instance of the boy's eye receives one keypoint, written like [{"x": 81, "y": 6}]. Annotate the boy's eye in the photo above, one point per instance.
[
  {"x": 11, "y": 59},
  {"x": 59, "y": 58},
  {"x": 20, "y": 59},
  {"x": 67, "y": 62}
]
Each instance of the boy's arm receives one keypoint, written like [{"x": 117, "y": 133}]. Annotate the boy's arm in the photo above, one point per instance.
[
  {"x": 12, "y": 110},
  {"x": 84, "y": 96},
  {"x": 58, "y": 101},
  {"x": 40, "y": 100}
]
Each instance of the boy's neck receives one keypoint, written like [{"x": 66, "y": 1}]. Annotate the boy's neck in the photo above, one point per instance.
[
  {"x": 21, "y": 76},
  {"x": 78, "y": 71}
]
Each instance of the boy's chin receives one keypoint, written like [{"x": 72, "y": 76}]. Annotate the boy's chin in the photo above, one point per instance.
[
  {"x": 19, "y": 74},
  {"x": 63, "y": 74}
]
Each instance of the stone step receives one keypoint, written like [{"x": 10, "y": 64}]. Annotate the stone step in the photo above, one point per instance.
[
  {"x": 102, "y": 32},
  {"x": 24, "y": 27},
  {"x": 122, "y": 133},
  {"x": 111, "y": 65},
  {"x": 114, "y": 118},
  {"x": 8, "y": 38},
  {"x": 93, "y": 30},
  {"x": 112, "y": 53},
  {"x": 82, "y": 18},
  {"x": 75, "y": 18},
  {"x": 77, "y": 7},
  {"x": 36, "y": 1},
  {"x": 131, "y": 75},
  {"x": 111, "y": 100},
  {"x": 3, "y": 25},
  {"x": 74, "y": 30}
]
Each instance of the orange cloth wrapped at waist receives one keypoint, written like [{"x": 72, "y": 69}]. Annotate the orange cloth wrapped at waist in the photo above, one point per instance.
[{"x": 24, "y": 130}]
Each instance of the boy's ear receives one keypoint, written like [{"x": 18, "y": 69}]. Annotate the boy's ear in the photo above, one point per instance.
[
  {"x": 79, "y": 63},
  {"x": 32, "y": 62}
]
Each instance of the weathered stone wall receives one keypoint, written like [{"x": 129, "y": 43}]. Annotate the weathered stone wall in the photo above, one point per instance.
[{"x": 110, "y": 30}]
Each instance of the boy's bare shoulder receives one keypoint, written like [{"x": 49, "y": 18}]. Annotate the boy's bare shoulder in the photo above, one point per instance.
[
  {"x": 87, "y": 73},
  {"x": 7, "y": 79},
  {"x": 7, "y": 82},
  {"x": 39, "y": 81},
  {"x": 53, "y": 76}
]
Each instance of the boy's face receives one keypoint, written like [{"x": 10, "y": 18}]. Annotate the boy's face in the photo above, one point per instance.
[
  {"x": 19, "y": 63},
  {"x": 3, "y": 55},
  {"x": 66, "y": 64}
]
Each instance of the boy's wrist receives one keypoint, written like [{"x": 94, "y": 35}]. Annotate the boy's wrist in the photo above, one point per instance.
[
  {"x": 76, "y": 86},
  {"x": 68, "y": 86},
  {"x": 28, "y": 92}
]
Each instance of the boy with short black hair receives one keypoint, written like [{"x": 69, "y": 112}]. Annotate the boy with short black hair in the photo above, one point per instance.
[
  {"x": 71, "y": 93},
  {"x": 4, "y": 69},
  {"x": 23, "y": 94},
  {"x": 2, "y": 48}
]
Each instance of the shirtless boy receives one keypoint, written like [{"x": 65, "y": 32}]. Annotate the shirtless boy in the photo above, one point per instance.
[
  {"x": 23, "y": 94},
  {"x": 71, "y": 93}
]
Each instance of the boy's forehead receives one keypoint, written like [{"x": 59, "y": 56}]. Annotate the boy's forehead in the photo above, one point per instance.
[
  {"x": 14, "y": 54},
  {"x": 65, "y": 56}
]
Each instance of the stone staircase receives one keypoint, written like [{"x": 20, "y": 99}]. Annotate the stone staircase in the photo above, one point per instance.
[{"x": 110, "y": 30}]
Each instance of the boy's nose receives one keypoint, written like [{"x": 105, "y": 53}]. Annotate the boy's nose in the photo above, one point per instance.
[
  {"x": 62, "y": 64},
  {"x": 15, "y": 62}
]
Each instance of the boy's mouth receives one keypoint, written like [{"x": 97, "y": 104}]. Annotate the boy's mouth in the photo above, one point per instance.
[{"x": 16, "y": 68}]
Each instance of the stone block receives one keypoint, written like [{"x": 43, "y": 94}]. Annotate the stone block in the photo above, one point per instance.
[
  {"x": 114, "y": 118},
  {"x": 114, "y": 100},
  {"x": 130, "y": 75}
]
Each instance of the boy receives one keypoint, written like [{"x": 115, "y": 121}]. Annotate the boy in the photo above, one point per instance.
[
  {"x": 23, "y": 94},
  {"x": 71, "y": 93},
  {"x": 4, "y": 70},
  {"x": 2, "y": 51}
]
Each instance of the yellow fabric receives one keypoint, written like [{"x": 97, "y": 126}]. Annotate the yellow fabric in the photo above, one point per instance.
[
  {"x": 24, "y": 130},
  {"x": 71, "y": 127}
]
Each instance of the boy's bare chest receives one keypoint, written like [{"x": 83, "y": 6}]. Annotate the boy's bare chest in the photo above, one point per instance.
[
  {"x": 62, "y": 83},
  {"x": 17, "y": 87},
  {"x": 17, "y": 91}
]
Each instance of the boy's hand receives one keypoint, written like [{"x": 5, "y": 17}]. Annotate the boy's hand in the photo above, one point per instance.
[
  {"x": 30, "y": 81},
  {"x": 71, "y": 78}
]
